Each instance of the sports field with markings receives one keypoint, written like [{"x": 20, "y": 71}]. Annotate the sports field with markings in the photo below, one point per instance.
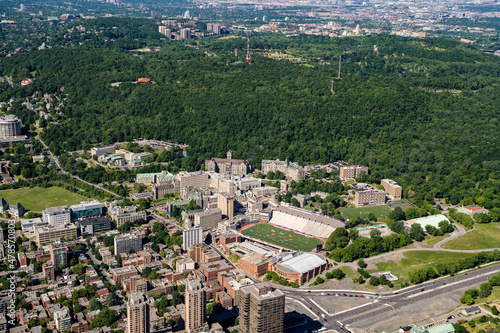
[{"x": 285, "y": 238}]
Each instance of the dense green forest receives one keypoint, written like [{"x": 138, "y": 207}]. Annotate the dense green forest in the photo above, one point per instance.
[{"x": 421, "y": 111}]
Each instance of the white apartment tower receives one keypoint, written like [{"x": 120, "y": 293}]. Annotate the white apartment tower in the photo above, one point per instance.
[{"x": 191, "y": 237}]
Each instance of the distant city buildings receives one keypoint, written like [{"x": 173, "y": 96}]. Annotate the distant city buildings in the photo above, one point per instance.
[{"x": 185, "y": 33}]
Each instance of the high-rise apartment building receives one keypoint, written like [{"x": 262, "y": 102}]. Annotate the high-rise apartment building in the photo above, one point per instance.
[
  {"x": 62, "y": 320},
  {"x": 262, "y": 308},
  {"x": 59, "y": 254},
  {"x": 125, "y": 242},
  {"x": 226, "y": 204},
  {"x": 10, "y": 125},
  {"x": 195, "y": 307},
  {"x": 137, "y": 314},
  {"x": 192, "y": 236},
  {"x": 185, "y": 33}
]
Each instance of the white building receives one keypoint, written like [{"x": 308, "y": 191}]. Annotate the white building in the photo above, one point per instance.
[
  {"x": 56, "y": 215},
  {"x": 191, "y": 237},
  {"x": 62, "y": 320},
  {"x": 125, "y": 242}
]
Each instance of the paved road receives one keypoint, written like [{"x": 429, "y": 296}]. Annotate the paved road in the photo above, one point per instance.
[
  {"x": 379, "y": 303},
  {"x": 9, "y": 81},
  {"x": 55, "y": 161}
]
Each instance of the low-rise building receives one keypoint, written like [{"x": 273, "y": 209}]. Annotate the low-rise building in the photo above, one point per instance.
[
  {"x": 472, "y": 209},
  {"x": 90, "y": 226},
  {"x": 394, "y": 191},
  {"x": 290, "y": 169},
  {"x": 50, "y": 233},
  {"x": 370, "y": 197},
  {"x": 298, "y": 268},
  {"x": 86, "y": 209},
  {"x": 120, "y": 273},
  {"x": 211, "y": 269},
  {"x": 352, "y": 171}
]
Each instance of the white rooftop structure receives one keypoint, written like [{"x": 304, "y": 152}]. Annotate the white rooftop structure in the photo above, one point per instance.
[
  {"x": 429, "y": 220},
  {"x": 303, "y": 263}
]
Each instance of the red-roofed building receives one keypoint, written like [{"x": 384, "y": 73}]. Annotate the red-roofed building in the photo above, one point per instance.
[
  {"x": 472, "y": 209},
  {"x": 143, "y": 80},
  {"x": 26, "y": 82}
]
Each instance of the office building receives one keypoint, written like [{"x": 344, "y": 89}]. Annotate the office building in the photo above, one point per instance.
[
  {"x": 62, "y": 320},
  {"x": 205, "y": 218},
  {"x": 262, "y": 308},
  {"x": 191, "y": 237},
  {"x": 226, "y": 204},
  {"x": 57, "y": 216},
  {"x": 352, "y": 171},
  {"x": 10, "y": 125},
  {"x": 125, "y": 242},
  {"x": 290, "y": 169},
  {"x": 394, "y": 191},
  {"x": 228, "y": 166},
  {"x": 59, "y": 254},
  {"x": 98, "y": 151},
  {"x": 126, "y": 214},
  {"x": 86, "y": 209},
  {"x": 195, "y": 299},
  {"x": 49, "y": 234},
  {"x": 94, "y": 225},
  {"x": 137, "y": 313}
]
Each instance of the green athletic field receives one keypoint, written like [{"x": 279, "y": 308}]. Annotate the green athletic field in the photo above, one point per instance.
[
  {"x": 379, "y": 211},
  {"x": 285, "y": 238},
  {"x": 37, "y": 198}
]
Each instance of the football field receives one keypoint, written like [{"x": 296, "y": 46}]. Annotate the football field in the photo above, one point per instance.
[{"x": 285, "y": 238}]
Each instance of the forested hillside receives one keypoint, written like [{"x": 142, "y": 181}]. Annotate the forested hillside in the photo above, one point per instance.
[{"x": 423, "y": 112}]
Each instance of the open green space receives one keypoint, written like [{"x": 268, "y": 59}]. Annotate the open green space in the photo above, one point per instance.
[
  {"x": 381, "y": 212},
  {"x": 37, "y": 198},
  {"x": 483, "y": 236},
  {"x": 285, "y": 238},
  {"x": 414, "y": 260}
]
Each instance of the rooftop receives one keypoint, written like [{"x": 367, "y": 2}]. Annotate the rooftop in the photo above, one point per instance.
[{"x": 302, "y": 263}]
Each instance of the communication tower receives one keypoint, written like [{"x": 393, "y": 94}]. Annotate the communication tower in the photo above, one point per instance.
[{"x": 248, "y": 60}]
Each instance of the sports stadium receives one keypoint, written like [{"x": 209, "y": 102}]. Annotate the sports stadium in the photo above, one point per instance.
[{"x": 293, "y": 228}]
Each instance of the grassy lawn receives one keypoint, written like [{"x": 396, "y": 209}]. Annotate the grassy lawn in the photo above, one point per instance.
[
  {"x": 280, "y": 237},
  {"x": 484, "y": 236},
  {"x": 430, "y": 241},
  {"x": 36, "y": 199},
  {"x": 379, "y": 211},
  {"x": 419, "y": 259}
]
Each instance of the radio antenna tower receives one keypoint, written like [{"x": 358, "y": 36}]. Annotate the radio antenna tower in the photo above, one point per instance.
[
  {"x": 248, "y": 60},
  {"x": 340, "y": 61}
]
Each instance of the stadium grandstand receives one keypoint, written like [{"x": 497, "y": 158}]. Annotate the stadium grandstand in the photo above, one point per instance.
[{"x": 304, "y": 221}]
